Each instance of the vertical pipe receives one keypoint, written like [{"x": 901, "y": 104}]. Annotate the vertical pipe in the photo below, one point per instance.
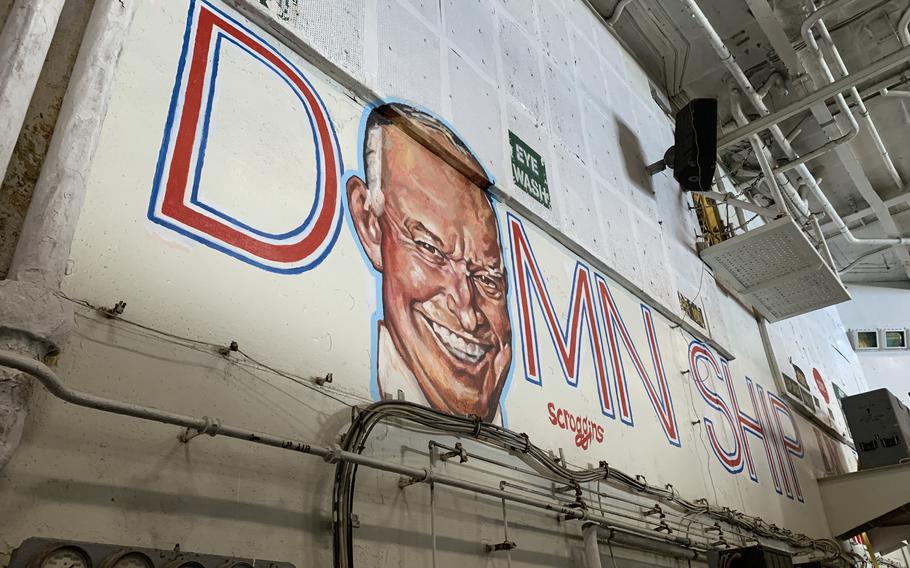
[
  {"x": 763, "y": 160},
  {"x": 903, "y": 28},
  {"x": 433, "y": 518},
  {"x": 860, "y": 105},
  {"x": 41, "y": 253},
  {"x": 505, "y": 530},
  {"x": 774, "y": 181},
  {"x": 24, "y": 43},
  {"x": 825, "y": 252},
  {"x": 617, "y": 11},
  {"x": 592, "y": 549},
  {"x": 50, "y": 223}
]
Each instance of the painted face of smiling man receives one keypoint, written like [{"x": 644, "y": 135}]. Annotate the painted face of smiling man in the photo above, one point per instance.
[{"x": 445, "y": 336}]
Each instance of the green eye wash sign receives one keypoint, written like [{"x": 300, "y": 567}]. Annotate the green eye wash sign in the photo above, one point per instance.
[{"x": 529, "y": 171}]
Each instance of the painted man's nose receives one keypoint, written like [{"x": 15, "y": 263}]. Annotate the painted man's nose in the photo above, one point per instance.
[{"x": 460, "y": 302}]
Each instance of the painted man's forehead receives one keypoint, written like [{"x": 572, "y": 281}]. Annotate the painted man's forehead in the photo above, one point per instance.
[{"x": 423, "y": 186}]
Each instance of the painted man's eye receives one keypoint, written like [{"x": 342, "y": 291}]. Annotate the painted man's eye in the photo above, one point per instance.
[
  {"x": 429, "y": 249},
  {"x": 489, "y": 283}
]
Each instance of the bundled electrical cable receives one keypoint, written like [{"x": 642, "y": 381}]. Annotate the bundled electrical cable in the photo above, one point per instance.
[{"x": 366, "y": 419}]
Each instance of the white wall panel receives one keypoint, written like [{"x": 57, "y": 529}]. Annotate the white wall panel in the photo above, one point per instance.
[
  {"x": 582, "y": 19},
  {"x": 554, "y": 33},
  {"x": 652, "y": 257},
  {"x": 489, "y": 67},
  {"x": 525, "y": 13},
  {"x": 476, "y": 111},
  {"x": 470, "y": 25},
  {"x": 588, "y": 72},
  {"x": 564, "y": 110},
  {"x": 521, "y": 68},
  {"x": 428, "y": 9},
  {"x": 334, "y": 28},
  {"x": 408, "y": 62},
  {"x": 577, "y": 214}
]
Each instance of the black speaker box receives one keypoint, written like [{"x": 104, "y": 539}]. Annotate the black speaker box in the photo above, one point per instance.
[{"x": 695, "y": 148}]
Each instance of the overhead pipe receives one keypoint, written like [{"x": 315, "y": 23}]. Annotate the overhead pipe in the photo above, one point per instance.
[
  {"x": 33, "y": 320},
  {"x": 856, "y": 261},
  {"x": 50, "y": 223},
  {"x": 886, "y": 84},
  {"x": 774, "y": 181},
  {"x": 617, "y": 11},
  {"x": 848, "y": 136},
  {"x": 776, "y": 79},
  {"x": 331, "y": 454},
  {"x": 24, "y": 43},
  {"x": 823, "y": 12},
  {"x": 857, "y": 99},
  {"x": 594, "y": 533},
  {"x": 769, "y": 121},
  {"x": 903, "y": 28}
]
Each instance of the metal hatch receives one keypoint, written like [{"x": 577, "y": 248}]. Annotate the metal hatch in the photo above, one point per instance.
[{"x": 776, "y": 269}]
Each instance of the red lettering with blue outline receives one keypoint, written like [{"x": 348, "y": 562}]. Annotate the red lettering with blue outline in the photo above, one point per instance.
[{"x": 175, "y": 202}]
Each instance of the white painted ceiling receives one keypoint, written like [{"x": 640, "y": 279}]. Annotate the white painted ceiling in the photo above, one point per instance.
[{"x": 664, "y": 38}]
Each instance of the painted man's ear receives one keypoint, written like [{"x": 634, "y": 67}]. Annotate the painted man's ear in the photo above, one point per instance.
[{"x": 365, "y": 222}]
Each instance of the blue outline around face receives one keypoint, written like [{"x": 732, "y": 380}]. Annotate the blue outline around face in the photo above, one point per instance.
[{"x": 377, "y": 314}]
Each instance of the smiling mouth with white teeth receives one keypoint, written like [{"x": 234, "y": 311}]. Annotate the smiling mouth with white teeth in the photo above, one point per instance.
[{"x": 462, "y": 349}]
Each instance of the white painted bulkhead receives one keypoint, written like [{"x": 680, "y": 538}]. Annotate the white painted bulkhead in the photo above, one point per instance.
[{"x": 547, "y": 71}]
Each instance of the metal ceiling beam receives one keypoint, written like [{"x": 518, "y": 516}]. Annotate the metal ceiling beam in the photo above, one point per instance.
[
  {"x": 822, "y": 74},
  {"x": 764, "y": 123},
  {"x": 854, "y": 499},
  {"x": 774, "y": 31},
  {"x": 854, "y": 217}
]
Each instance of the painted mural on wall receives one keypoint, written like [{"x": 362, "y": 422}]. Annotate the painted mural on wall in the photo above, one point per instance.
[
  {"x": 443, "y": 337},
  {"x": 476, "y": 310}
]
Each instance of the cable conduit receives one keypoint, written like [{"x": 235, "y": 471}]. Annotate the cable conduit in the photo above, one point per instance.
[{"x": 336, "y": 455}]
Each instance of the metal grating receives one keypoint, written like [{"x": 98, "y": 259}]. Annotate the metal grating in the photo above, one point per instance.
[{"x": 777, "y": 269}]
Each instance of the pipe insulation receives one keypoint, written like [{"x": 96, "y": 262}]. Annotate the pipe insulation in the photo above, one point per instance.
[
  {"x": 331, "y": 454},
  {"x": 47, "y": 233},
  {"x": 24, "y": 43},
  {"x": 335, "y": 454}
]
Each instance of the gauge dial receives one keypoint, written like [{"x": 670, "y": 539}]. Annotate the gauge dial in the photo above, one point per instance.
[
  {"x": 129, "y": 559},
  {"x": 64, "y": 557}
]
